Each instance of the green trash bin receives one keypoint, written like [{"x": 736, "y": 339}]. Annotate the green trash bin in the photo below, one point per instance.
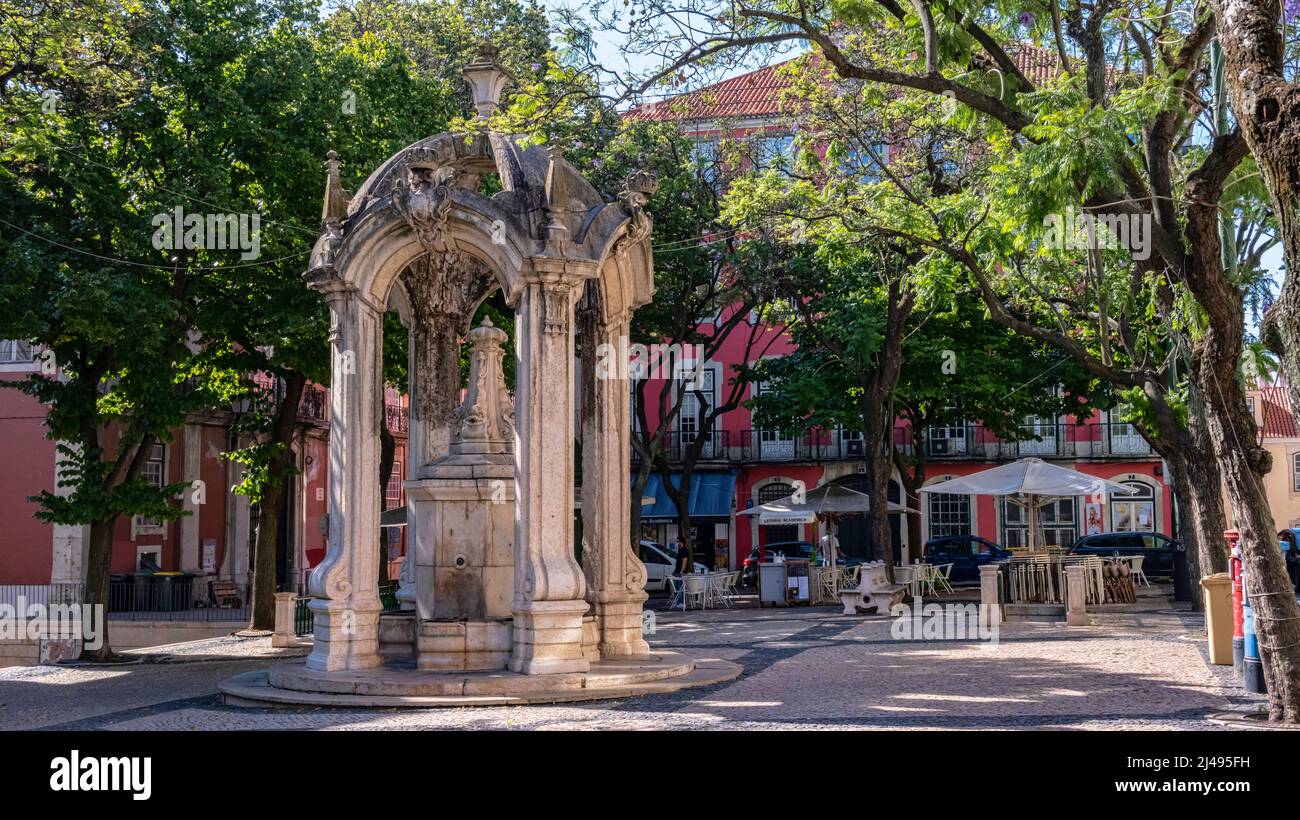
[
  {"x": 168, "y": 591},
  {"x": 144, "y": 596}
]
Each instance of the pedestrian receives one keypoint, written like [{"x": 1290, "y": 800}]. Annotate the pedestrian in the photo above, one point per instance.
[{"x": 683, "y": 564}]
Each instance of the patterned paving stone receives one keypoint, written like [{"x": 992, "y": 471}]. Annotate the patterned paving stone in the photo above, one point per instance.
[{"x": 1131, "y": 669}]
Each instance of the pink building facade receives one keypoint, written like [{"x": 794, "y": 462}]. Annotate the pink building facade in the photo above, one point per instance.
[
  {"x": 757, "y": 465},
  {"x": 215, "y": 540}
]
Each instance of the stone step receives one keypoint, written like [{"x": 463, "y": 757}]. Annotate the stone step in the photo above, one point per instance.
[{"x": 1033, "y": 612}]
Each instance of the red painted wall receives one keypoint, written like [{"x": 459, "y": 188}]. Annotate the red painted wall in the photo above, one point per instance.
[{"x": 25, "y": 547}]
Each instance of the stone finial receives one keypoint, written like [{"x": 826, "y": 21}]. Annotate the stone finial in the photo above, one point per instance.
[
  {"x": 486, "y": 80},
  {"x": 336, "y": 197},
  {"x": 639, "y": 187},
  {"x": 485, "y": 420}
]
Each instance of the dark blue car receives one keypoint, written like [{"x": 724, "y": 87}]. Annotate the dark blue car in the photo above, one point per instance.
[
  {"x": 1157, "y": 549},
  {"x": 966, "y": 553}
]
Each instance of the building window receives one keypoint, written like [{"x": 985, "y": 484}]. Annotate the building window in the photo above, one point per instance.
[
  {"x": 1056, "y": 518},
  {"x": 16, "y": 351},
  {"x": 1295, "y": 471},
  {"x": 1134, "y": 513},
  {"x": 393, "y": 492},
  {"x": 774, "y": 152},
  {"x": 693, "y": 391},
  {"x": 948, "y": 514},
  {"x": 707, "y": 157},
  {"x": 155, "y": 473},
  {"x": 772, "y": 444},
  {"x": 777, "y": 533}
]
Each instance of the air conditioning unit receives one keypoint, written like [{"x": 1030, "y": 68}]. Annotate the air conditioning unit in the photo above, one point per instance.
[
  {"x": 853, "y": 446},
  {"x": 939, "y": 446}
]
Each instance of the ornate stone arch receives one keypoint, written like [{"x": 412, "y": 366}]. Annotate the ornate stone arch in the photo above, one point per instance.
[{"x": 421, "y": 234}]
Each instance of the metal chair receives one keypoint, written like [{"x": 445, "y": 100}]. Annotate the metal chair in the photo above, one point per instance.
[
  {"x": 695, "y": 586},
  {"x": 676, "y": 588}
]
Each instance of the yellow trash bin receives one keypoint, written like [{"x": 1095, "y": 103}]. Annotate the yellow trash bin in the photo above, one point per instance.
[{"x": 1218, "y": 616}]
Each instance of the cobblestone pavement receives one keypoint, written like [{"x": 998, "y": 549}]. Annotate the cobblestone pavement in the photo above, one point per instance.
[{"x": 1138, "y": 668}]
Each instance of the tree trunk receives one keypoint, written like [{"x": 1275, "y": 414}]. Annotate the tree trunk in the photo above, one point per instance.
[
  {"x": 1267, "y": 109},
  {"x": 1205, "y": 485},
  {"x": 99, "y": 562},
  {"x": 1277, "y": 617},
  {"x": 279, "y": 473}
]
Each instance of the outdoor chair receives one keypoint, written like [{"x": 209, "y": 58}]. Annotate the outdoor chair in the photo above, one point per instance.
[
  {"x": 695, "y": 587},
  {"x": 676, "y": 592},
  {"x": 943, "y": 575},
  {"x": 849, "y": 578},
  {"x": 731, "y": 582},
  {"x": 1139, "y": 576},
  {"x": 830, "y": 583},
  {"x": 718, "y": 588}
]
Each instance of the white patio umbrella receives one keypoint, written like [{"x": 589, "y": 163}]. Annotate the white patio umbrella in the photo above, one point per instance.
[
  {"x": 827, "y": 499},
  {"x": 1031, "y": 481}
]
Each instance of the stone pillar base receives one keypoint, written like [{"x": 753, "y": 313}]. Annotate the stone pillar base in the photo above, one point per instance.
[
  {"x": 990, "y": 607},
  {"x": 1076, "y": 613},
  {"x": 346, "y": 637},
  {"x": 621, "y": 627},
  {"x": 283, "y": 620},
  {"x": 548, "y": 637},
  {"x": 463, "y": 645},
  {"x": 590, "y": 638}
]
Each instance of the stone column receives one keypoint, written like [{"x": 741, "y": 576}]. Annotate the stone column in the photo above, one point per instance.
[
  {"x": 191, "y": 471},
  {"x": 614, "y": 573},
  {"x": 549, "y": 600},
  {"x": 70, "y": 541},
  {"x": 990, "y": 609},
  {"x": 1076, "y": 613},
  {"x": 345, "y": 586}
]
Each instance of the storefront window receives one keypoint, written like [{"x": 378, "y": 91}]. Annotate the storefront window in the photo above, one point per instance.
[{"x": 1134, "y": 513}]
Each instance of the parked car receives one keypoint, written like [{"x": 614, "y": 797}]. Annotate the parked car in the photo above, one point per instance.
[
  {"x": 966, "y": 553},
  {"x": 789, "y": 549},
  {"x": 659, "y": 566},
  {"x": 1157, "y": 549}
]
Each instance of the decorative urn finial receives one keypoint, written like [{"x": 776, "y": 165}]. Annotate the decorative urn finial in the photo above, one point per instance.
[
  {"x": 486, "y": 80},
  {"x": 485, "y": 420}
]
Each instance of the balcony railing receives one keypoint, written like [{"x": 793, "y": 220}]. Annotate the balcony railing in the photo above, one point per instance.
[
  {"x": 1112, "y": 439},
  {"x": 314, "y": 405},
  {"x": 716, "y": 446},
  {"x": 396, "y": 418},
  {"x": 953, "y": 442}
]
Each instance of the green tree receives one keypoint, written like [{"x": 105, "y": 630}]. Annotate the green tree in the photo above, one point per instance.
[{"x": 1109, "y": 126}]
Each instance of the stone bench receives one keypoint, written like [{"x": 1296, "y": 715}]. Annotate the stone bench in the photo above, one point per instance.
[{"x": 873, "y": 591}]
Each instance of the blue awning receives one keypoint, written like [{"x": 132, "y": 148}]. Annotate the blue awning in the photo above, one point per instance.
[{"x": 712, "y": 495}]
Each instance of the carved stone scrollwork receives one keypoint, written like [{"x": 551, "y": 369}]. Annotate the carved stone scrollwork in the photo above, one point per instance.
[
  {"x": 423, "y": 198},
  {"x": 555, "y": 305},
  {"x": 638, "y": 189}
]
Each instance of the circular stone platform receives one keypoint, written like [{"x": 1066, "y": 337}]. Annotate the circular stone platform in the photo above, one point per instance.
[{"x": 293, "y": 684}]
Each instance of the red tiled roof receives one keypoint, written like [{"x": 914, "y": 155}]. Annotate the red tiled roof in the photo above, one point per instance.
[
  {"x": 1039, "y": 65},
  {"x": 756, "y": 94},
  {"x": 1275, "y": 407}
]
